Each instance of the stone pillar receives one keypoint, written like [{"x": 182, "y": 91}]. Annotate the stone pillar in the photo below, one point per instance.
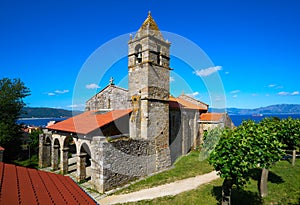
[
  {"x": 81, "y": 171},
  {"x": 55, "y": 153},
  {"x": 64, "y": 160},
  {"x": 97, "y": 178},
  {"x": 195, "y": 131},
  {"x": 46, "y": 155},
  {"x": 183, "y": 139},
  {"x": 1, "y": 153},
  {"x": 41, "y": 150},
  {"x": 44, "y": 150}
]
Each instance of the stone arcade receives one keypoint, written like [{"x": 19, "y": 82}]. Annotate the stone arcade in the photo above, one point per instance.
[{"x": 126, "y": 134}]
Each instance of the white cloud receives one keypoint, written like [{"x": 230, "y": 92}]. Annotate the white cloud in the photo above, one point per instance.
[
  {"x": 194, "y": 94},
  {"x": 283, "y": 93},
  {"x": 275, "y": 86},
  {"x": 76, "y": 106},
  {"x": 254, "y": 94},
  {"x": 51, "y": 94},
  {"x": 61, "y": 91},
  {"x": 271, "y": 85},
  {"x": 289, "y": 93},
  {"x": 234, "y": 96},
  {"x": 207, "y": 71},
  {"x": 267, "y": 95},
  {"x": 226, "y": 72},
  {"x": 235, "y": 91},
  {"x": 92, "y": 86},
  {"x": 172, "y": 79}
]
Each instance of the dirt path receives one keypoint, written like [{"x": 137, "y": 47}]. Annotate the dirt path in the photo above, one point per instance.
[{"x": 162, "y": 190}]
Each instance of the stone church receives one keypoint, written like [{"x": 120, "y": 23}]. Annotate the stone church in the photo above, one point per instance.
[{"x": 125, "y": 134}]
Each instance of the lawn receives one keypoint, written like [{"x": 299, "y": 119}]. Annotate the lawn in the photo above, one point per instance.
[
  {"x": 31, "y": 163},
  {"x": 187, "y": 166},
  {"x": 283, "y": 185}
]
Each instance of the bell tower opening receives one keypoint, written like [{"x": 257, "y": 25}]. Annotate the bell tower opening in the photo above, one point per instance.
[{"x": 138, "y": 53}]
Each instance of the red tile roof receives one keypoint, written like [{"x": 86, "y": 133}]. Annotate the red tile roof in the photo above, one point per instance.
[
  {"x": 181, "y": 103},
  {"x": 211, "y": 116},
  {"x": 88, "y": 121},
  {"x": 20, "y": 185},
  {"x": 1, "y": 148}
]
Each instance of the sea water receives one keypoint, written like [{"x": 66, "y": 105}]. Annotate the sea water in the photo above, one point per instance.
[{"x": 236, "y": 119}]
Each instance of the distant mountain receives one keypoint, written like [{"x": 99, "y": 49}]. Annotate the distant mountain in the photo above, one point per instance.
[
  {"x": 272, "y": 109},
  {"x": 44, "y": 112}
]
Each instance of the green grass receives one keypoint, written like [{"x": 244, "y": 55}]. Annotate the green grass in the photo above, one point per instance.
[
  {"x": 283, "y": 185},
  {"x": 31, "y": 163},
  {"x": 187, "y": 166}
]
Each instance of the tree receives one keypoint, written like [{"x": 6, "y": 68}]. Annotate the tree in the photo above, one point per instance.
[
  {"x": 269, "y": 144},
  {"x": 232, "y": 159},
  {"x": 34, "y": 139},
  {"x": 290, "y": 135},
  {"x": 210, "y": 141},
  {"x": 12, "y": 93},
  {"x": 251, "y": 145}
]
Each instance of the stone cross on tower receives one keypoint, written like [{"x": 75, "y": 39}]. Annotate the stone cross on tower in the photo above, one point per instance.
[{"x": 111, "y": 81}]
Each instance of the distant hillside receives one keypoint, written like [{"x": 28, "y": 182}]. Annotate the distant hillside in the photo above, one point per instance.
[
  {"x": 43, "y": 112},
  {"x": 272, "y": 109}
]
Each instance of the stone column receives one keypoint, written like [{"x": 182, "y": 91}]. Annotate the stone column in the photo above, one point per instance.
[
  {"x": 41, "y": 150},
  {"x": 1, "y": 153},
  {"x": 183, "y": 139},
  {"x": 195, "y": 131},
  {"x": 46, "y": 155},
  {"x": 81, "y": 171},
  {"x": 55, "y": 153},
  {"x": 97, "y": 178},
  {"x": 64, "y": 160}
]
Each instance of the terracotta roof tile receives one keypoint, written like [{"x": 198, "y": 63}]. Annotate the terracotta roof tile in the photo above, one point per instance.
[
  {"x": 181, "y": 103},
  {"x": 88, "y": 121},
  {"x": 1, "y": 148},
  {"x": 211, "y": 116},
  {"x": 20, "y": 185}
]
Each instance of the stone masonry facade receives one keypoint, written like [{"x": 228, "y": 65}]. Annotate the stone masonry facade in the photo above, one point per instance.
[{"x": 111, "y": 97}]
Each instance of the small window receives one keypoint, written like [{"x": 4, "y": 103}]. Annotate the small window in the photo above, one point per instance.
[
  {"x": 158, "y": 55},
  {"x": 108, "y": 103}
]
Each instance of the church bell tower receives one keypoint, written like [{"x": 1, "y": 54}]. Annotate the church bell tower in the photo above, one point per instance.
[{"x": 149, "y": 88}]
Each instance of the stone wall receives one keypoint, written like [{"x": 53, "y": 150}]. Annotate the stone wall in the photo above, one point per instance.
[
  {"x": 184, "y": 132},
  {"x": 111, "y": 97},
  {"x": 120, "y": 161}
]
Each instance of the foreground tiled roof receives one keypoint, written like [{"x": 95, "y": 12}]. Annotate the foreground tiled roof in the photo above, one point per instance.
[
  {"x": 1, "y": 148},
  {"x": 181, "y": 103},
  {"x": 20, "y": 185},
  {"x": 88, "y": 121},
  {"x": 211, "y": 117}
]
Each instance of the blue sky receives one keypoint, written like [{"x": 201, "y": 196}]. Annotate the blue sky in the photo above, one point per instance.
[{"x": 253, "y": 47}]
